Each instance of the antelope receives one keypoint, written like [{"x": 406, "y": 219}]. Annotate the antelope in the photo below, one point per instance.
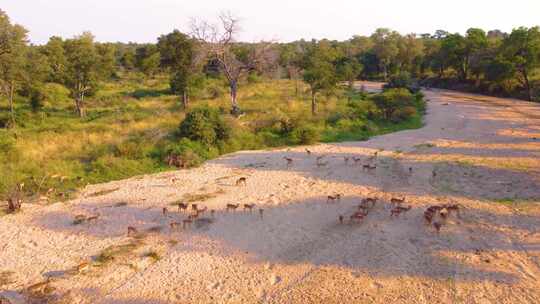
[
  {"x": 212, "y": 212},
  {"x": 397, "y": 201},
  {"x": 194, "y": 207},
  {"x": 241, "y": 181},
  {"x": 346, "y": 160},
  {"x": 232, "y": 206},
  {"x": 174, "y": 225},
  {"x": 453, "y": 208},
  {"x": 437, "y": 227},
  {"x": 182, "y": 206},
  {"x": 357, "y": 160},
  {"x": 369, "y": 167},
  {"x": 434, "y": 174},
  {"x": 249, "y": 207},
  {"x": 358, "y": 216},
  {"x": 371, "y": 200},
  {"x": 92, "y": 218},
  {"x": 319, "y": 158},
  {"x": 201, "y": 211},
  {"x": 165, "y": 211},
  {"x": 428, "y": 217},
  {"x": 410, "y": 170},
  {"x": 261, "y": 212},
  {"x": 321, "y": 164},
  {"x": 289, "y": 161},
  {"x": 333, "y": 198},
  {"x": 398, "y": 210},
  {"x": 340, "y": 219},
  {"x": 131, "y": 230},
  {"x": 308, "y": 151},
  {"x": 187, "y": 222}
]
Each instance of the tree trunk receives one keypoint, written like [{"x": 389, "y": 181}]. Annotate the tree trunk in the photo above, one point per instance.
[
  {"x": 313, "y": 102},
  {"x": 11, "y": 105},
  {"x": 185, "y": 99},
  {"x": 79, "y": 103},
  {"x": 234, "y": 91},
  {"x": 527, "y": 85},
  {"x": 296, "y": 88}
]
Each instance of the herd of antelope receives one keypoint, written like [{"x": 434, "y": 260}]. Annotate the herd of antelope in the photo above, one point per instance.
[{"x": 435, "y": 215}]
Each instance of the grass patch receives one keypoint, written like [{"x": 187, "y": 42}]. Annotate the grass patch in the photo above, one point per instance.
[
  {"x": 194, "y": 197},
  {"x": 115, "y": 252},
  {"x": 6, "y": 278},
  {"x": 153, "y": 255}
]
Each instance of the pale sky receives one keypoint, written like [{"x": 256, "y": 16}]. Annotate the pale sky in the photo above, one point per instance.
[{"x": 282, "y": 20}]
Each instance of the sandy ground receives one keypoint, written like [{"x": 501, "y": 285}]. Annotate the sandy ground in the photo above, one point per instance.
[{"x": 485, "y": 153}]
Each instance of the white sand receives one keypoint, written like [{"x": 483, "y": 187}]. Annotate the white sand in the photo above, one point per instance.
[{"x": 481, "y": 148}]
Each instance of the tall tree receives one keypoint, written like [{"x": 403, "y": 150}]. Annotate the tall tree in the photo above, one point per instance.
[
  {"x": 82, "y": 70},
  {"x": 386, "y": 48},
  {"x": 522, "y": 50},
  {"x": 54, "y": 50},
  {"x": 178, "y": 55},
  {"x": 319, "y": 70},
  {"x": 13, "y": 46},
  {"x": 235, "y": 60}
]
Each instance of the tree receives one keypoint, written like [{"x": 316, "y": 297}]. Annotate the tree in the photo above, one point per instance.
[
  {"x": 348, "y": 66},
  {"x": 82, "y": 70},
  {"x": 235, "y": 60},
  {"x": 522, "y": 50},
  {"x": 13, "y": 46},
  {"x": 410, "y": 53},
  {"x": 460, "y": 50},
  {"x": 290, "y": 58},
  {"x": 106, "y": 59},
  {"x": 178, "y": 55},
  {"x": 319, "y": 70},
  {"x": 147, "y": 59},
  {"x": 54, "y": 51},
  {"x": 36, "y": 71},
  {"x": 386, "y": 48}
]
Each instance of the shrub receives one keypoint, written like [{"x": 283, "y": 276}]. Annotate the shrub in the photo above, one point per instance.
[
  {"x": 391, "y": 100},
  {"x": 206, "y": 125},
  {"x": 305, "y": 135},
  {"x": 404, "y": 113},
  {"x": 403, "y": 81}
]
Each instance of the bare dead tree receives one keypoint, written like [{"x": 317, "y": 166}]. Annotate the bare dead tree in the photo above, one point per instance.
[{"x": 235, "y": 60}]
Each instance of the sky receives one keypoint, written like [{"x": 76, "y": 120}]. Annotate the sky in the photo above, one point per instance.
[{"x": 278, "y": 20}]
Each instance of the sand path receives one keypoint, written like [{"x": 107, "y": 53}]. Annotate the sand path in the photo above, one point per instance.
[{"x": 485, "y": 153}]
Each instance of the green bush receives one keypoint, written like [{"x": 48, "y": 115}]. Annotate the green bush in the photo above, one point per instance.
[
  {"x": 404, "y": 113},
  {"x": 305, "y": 135},
  {"x": 392, "y": 100},
  {"x": 206, "y": 125}
]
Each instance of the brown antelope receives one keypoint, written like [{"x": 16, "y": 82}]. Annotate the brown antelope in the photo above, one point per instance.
[
  {"x": 174, "y": 225},
  {"x": 212, "y": 212},
  {"x": 165, "y": 211},
  {"x": 437, "y": 226},
  {"x": 453, "y": 208},
  {"x": 194, "y": 207},
  {"x": 131, "y": 230},
  {"x": 398, "y": 210},
  {"x": 289, "y": 161},
  {"x": 357, "y": 160},
  {"x": 319, "y": 158},
  {"x": 428, "y": 217},
  {"x": 410, "y": 170},
  {"x": 249, "y": 207},
  {"x": 434, "y": 174},
  {"x": 232, "y": 207},
  {"x": 321, "y": 164},
  {"x": 241, "y": 181},
  {"x": 369, "y": 167},
  {"x": 357, "y": 216},
  {"x": 372, "y": 200},
  {"x": 182, "y": 206},
  {"x": 397, "y": 201},
  {"x": 92, "y": 218},
  {"x": 308, "y": 151},
  {"x": 340, "y": 218},
  {"x": 261, "y": 212},
  {"x": 333, "y": 198},
  {"x": 201, "y": 211},
  {"x": 187, "y": 222},
  {"x": 346, "y": 160}
]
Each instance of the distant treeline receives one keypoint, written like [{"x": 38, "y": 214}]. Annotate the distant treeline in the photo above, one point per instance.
[{"x": 494, "y": 62}]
